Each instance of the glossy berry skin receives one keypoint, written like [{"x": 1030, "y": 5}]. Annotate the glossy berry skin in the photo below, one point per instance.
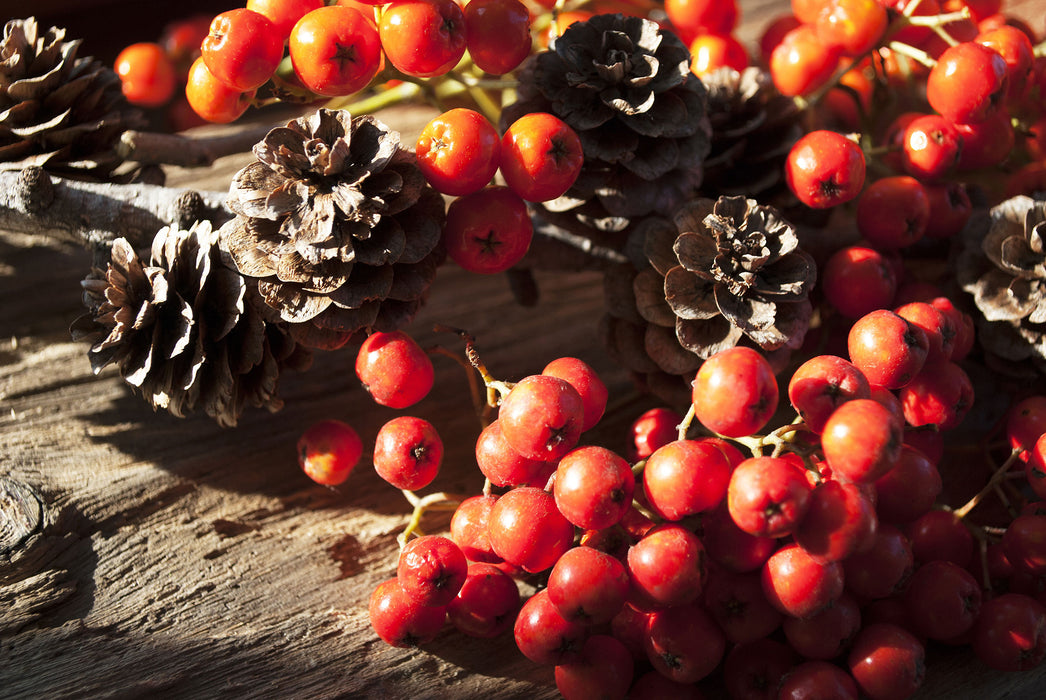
[
  {"x": 667, "y": 567},
  {"x": 817, "y": 679},
  {"x": 544, "y": 636},
  {"x": 822, "y": 384},
  {"x": 940, "y": 328},
  {"x": 654, "y": 428},
  {"x": 541, "y": 156},
  {"x": 892, "y": 212},
  {"x": 1017, "y": 51},
  {"x": 328, "y": 451},
  {"x": 593, "y": 487},
  {"x": 735, "y": 392},
  {"x": 400, "y": 620},
  {"x": 284, "y": 14},
  {"x": 497, "y": 34},
  {"x": 1024, "y": 543},
  {"x": 580, "y": 375},
  {"x": 691, "y": 18},
  {"x": 910, "y": 489},
  {"x": 731, "y": 547},
  {"x": 943, "y": 600},
  {"x": 147, "y": 74},
  {"x": 887, "y": 661},
  {"x": 488, "y": 231},
  {"x": 604, "y": 670},
  {"x": 857, "y": 280},
  {"x": 888, "y": 349},
  {"x": 825, "y": 169},
  {"x": 941, "y": 394},
  {"x": 394, "y": 369},
  {"x": 458, "y": 151},
  {"x": 686, "y": 477},
  {"x": 335, "y": 51},
  {"x": 588, "y": 586},
  {"x": 862, "y": 440},
  {"x": 431, "y": 569},
  {"x": 242, "y": 49},
  {"x": 882, "y": 569},
  {"x": 468, "y": 528},
  {"x": 212, "y": 99},
  {"x": 839, "y": 521},
  {"x": 527, "y": 530},
  {"x": 801, "y": 63},
  {"x": 738, "y": 605},
  {"x": 1010, "y": 633},
  {"x": 968, "y": 83},
  {"x": 684, "y": 643},
  {"x": 499, "y": 461},
  {"x": 827, "y": 634},
  {"x": 408, "y": 452},
  {"x": 855, "y": 26},
  {"x": 541, "y": 417},
  {"x": 423, "y": 38},
  {"x": 710, "y": 52},
  {"x": 768, "y": 496},
  {"x": 797, "y": 585},
  {"x": 931, "y": 147},
  {"x": 487, "y": 603}
]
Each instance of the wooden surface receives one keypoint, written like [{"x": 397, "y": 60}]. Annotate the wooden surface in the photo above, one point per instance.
[{"x": 155, "y": 556}]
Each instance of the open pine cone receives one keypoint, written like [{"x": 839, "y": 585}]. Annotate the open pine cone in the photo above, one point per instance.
[
  {"x": 185, "y": 328},
  {"x": 625, "y": 87},
  {"x": 1003, "y": 265},
  {"x": 721, "y": 272},
  {"x": 62, "y": 113},
  {"x": 338, "y": 225}
]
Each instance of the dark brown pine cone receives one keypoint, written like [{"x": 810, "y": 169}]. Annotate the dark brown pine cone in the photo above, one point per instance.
[
  {"x": 1003, "y": 265},
  {"x": 720, "y": 273},
  {"x": 625, "y": 87},
  {"x": 338, "y": 225},
  {"x": 186, "y": 328},
  {"x": 62, "y": 113}
]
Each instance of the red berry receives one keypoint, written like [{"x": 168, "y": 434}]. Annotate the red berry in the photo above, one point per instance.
[
  {"x": 888, "y": 662},
  {"x": 822, "y": 384},
  {"x": 855, "y": 26},
  {"x": 335, "y": 51},
  {"x": 735, "y": 392},
  {"x": 801, "y": 63},
  {"x": 497, "y": 34},
  {"x": 825, "y": 169},
  {"x": 827, "y": 634},
  {"x": 667, "y": 566},
  {"x": 401, "y": 620},
  {"x": 284, "y": 14},
  {"x": 857, "y": 280},
  {"x": 686, "y": 477},
  {"x": 487, "y": 231},
  {"x": 653, "y": 429},
  {"x": 932, "y": 146},
  {"x": 730, "y": 546},
  {"x": 940, "y": 328},
  {"x": 593, "y": 487},
  {"x": 604, "y": 670},
  {"x": 588, "y": 586},
  {"x": 328, "y": 451},
  {"x": 487, "y": 603},
  {"x": 423, "y": 38},
  {"x": 458, "y": 151},
  {"x": 909, "y": 490},
  {"x": 147, "y": 75},
  {"x": 502, "y": 464},
  {"x": 752, "y": 667},
  {"x": 817, "y": 679},
  {"x": 684, "y": 643},
  {"x": 691, "y": 18},
  {"x": 546, "y": 637},
  {"x": 468, "y": 528},
  {"x": 242, "y": 49},
  {"x": 892, "y": 212},
  {"x": 394, "y": 369},
  {"x": 541, "y": 156},
  {"x": 408, "y": 452},
  {"x": 738, "y": 605},
  {"x": 862, "y": 440},
  {"x": 839, "y": 521},
  {"x": 882, "y": 569},
  {"x": 710, "y": 52},
  {"x": 1010, "y": 633},
  {"x": 541, "y": 417},
  {"x": 431, "y": 570},
  {"x": 940, "y": 395},
  {"x": 943, "y": 600},
  {"x": 527, "y": 530},
  {"x": 968, "y": 83},
  {"x": 768, "y": 496},
  {"x": 888, "y": 349},
  {"x": 586, "y": 381},
  {"x": 797, "y": 585},
  {"x": 212, "y": 99}
]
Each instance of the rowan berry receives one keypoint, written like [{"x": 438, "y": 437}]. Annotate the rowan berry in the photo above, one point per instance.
[
  {"x": 941, "y": 534},
  {"x": 736, "y": 601},
  {"x": 335, "y": 50},
  {"x": 580, "y": 375},
  {"x": 823, "y": 383},
  {"x": 987, "y": 143},
  {"x": 667, "y": 567},
  {"x": 328, "y": 451},
  {"x": 541, "y": 156},
  {"x": 798, "y": 585},
  {"x": 394, "y": 369},
  {"x": 931, "y": 147},
  {"x": 887, "y": 661},
  {"x": 827, "y": 634},
  {"x": 527, "y": 530},
  {"x": 773, "y": 33},
  {"x": 541, "y": 417},
  {"x": 943, "y": 600},
  {"x": 497, "y": 34},
  {"x": 691, "y": 18},
  {"x": 684, "y": 643},
  {"x": 862, "y": 440},
  {"x": 408, "y": 452},
  {"x": 839, "y": 521},
  {"x": 710, "y": 52},
  {"x": 817, "y": 679},
  {"x": 857, "y": 280},
  {"x": 825, "y": 169},
  {"x": 801, "y": 63},
  {"x": 910, "y": 489},
  {"x": 502, "y": 464},
  {"x": 488, "y": 231},
  {"x": 939, "y": 327},
  {"x": 587, "y": 585},
  {"x": 735, "y": 392},
  {"x": 855, "y": 26},
  {"x": 887, "y": 348},
  {"x": 731, "y": 547},
  {"x": 487, "y": 604},
  {"x": 242, "y": 49},
  {"x": 604, "y": 670},
  {"x": 458, "y": 151},
  {"x": 768, "y": 496},
  {"x": 968, "y": 83},
  {"x": 147, "y": 75},
  {"x": 546, "y": 637},
  {"x": 423, "y": 38},
  {"x": 1024, "y": 543},
  {"x": 284, "y": 14},
  {"x": 593, "y": 487},
  {"x": 893, "y": 211},
  {"x": 1025, "y": 422},
  {"x": 1015, "y": 47},
  {"x": 882, "y": 569},
  {"x": 400, "y": 620},
  {"x": 1010, "y": 633},
  {"x": 468, "y": 528},
  {"x": 431, "y": 569},
  {"x": 941, "y": 395},
  {"x": 686, "y": 477},
  {"x": 211, "y": 98},
  {"x": 751, "y": 667}
]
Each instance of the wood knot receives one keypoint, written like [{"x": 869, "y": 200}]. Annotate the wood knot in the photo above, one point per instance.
[
  {"x": 34, "y": 191},
  {"x": 21, "y": 514}
]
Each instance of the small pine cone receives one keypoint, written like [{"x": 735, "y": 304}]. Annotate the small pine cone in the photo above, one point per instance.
[
  {"x": 59, "y": 112},
  {"x": 338, "y": 225},
  {"x": 625, "y": 87},
  {"x": 186, "y": 329},
  {"x": 753, "y": 128},
  {"x": 1002, "y": 264}
]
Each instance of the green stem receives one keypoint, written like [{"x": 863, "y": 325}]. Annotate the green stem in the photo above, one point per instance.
[
  {"x": 913, "y": 53},
  {"x": 421, "y": 505}
]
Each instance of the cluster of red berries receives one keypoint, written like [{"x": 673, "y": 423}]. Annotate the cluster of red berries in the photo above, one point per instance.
[{"x": 821, "y": 563}]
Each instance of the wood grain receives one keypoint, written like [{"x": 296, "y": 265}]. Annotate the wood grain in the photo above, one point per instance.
[{"x": 173, "y": 558}]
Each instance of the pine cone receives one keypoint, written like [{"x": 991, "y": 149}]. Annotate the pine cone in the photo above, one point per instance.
[
  {"x": 62, "y": 113},
  {"x": 753, "y": 128},
  {"x": 721, "y": 272},
  {"x": 625, "y": 87},
  {"x": 338, "y": 225},
  {"x": 1003, "y": 265},
  {"x": 186, "y": 329}
]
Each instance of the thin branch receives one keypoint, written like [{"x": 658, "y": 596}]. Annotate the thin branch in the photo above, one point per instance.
[
  {"x": 94, "y": 214},
  {"x": 187, "y": 151}
]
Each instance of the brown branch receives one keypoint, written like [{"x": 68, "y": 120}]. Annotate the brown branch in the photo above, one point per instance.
[
  {"x": 187, "y": 151},
  {"x": 93, "y": 214}
]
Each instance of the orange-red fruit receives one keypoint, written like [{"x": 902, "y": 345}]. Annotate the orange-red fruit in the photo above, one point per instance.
[
  {"x": 335, "y": 50},
  {"x": 146, "y": 74},
  {"x": 541, "y": 156},
  {"x": 212, "y": 99},
  {"x": 242, "y": 49},
  {"x": 328, "y": 451}
]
